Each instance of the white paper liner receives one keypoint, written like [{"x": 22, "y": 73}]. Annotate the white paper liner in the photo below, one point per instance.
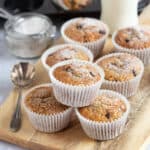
[
  {"x": 127, "y": 88},
  {"x": 105, "y": 130},
  {"x": 47, "y": 123},
  {"x": 61, "y": 46},
  {"x": 75, "y": 96},
  {"x": 143, "y": 54},
  {"x": 95, "y": 46}
]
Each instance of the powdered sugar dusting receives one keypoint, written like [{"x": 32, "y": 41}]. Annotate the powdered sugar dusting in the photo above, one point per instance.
[{"x": 67, "y": 53}]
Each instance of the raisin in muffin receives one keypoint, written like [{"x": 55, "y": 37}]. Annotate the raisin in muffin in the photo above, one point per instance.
[
  {"x": 88, "y": 32},
  {"x": 123, "y": 72},
  {"x": 76, "y": 82},
  {"x": 106, "y": 116},
  {"x": 133, "y": 40},
  {"x": 43, "y": 110}
]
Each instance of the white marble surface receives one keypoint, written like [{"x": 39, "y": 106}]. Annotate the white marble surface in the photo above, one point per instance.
[{"x": 6, "y": 63}]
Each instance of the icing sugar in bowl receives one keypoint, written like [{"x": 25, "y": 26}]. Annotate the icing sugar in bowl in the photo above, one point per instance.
[{"x": 29, "y": 34}]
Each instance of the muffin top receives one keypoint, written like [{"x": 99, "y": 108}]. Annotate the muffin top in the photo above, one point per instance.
[
  {"x": 134, "y": 38},
  {"x": 105, "y": 108},
  {"x": 42, "y": 101},
  {"x": 77, "y": 74},
  {"x": 66, "y": 53},
  {"x": 85, "y": 30},
  {"x": 121, "y": 67},
  {"x": 76, "y": 4}
]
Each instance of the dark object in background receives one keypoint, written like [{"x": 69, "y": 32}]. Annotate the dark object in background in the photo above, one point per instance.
[
  {"x": 142, "y": 4},
  {"x": 22, "y": 5},
  {"x": 49, "y": 8}
]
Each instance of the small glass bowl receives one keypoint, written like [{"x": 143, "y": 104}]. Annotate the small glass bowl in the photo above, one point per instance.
[{"x": 28, "y": 45}]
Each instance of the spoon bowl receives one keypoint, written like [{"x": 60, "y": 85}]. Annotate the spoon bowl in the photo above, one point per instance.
[{"x": 22, "y": 74}]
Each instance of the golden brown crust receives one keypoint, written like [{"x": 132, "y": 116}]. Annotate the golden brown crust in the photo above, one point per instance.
[
  {"x": 120, "y": 68},
  {"x": 66, "y": 53},
  {"x": 42, "y": 101},
  {"x": 77, "y": 74},
  {"x": 104, "y": 109},
  {"x": 76, "y": 4},
  {"x": 83, "y": 31},
  {"x": 134, "y": 38}
]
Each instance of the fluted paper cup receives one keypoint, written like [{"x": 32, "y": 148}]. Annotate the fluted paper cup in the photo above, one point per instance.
[
  {"x": 143, "y": 54},
  {"x": 47, "y": 123},
  {"x": 61, "y": 46},
  {"x": 127, "y": 88},
  {"x": 75, "y": 95},
  {"x": 105, "y": 130},
  {"x": 95, "y": 46}
]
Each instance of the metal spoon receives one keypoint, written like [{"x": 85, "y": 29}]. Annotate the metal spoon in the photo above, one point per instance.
[
  {"x": 5, "y": 14},
  {"x": 22, "y": 75}
]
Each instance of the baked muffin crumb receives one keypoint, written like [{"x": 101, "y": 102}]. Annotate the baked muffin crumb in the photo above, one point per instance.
[
  {"x": 76, "y": 4},
  {"x": 42, "y": 101},
  {"x": 66, "y": 53},
  {"x": 105, "y": 108},
  {"x": 77, "y": 74},
  {"x": 85, "y": 30},
  {"x": 133, "y": 38},
  {"x": 122, "y": 67}
]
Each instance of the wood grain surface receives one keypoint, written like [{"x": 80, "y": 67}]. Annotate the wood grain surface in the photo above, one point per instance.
[{"x": 73, "y": 138}]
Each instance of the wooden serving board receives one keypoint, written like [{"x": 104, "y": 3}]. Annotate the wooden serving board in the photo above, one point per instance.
[{"x": 73, "y": 138}]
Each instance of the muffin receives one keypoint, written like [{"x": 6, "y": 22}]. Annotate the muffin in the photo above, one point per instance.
[
  {"x": 106, "y": 116},
  {"x": 73, "y": 4},
  {"x": 44, "y": 112},
  {"x": 76, "y": 82},
  {"x": 123, "y": 72},
  {"x": 77, "y": 74},
  {"x": 82, "y": 31},
  {"x": 76, "y": 4},
  {"x": 65, "y": 52},
  {"x": 105, "y": 108},
  {"x": 88, "y": 32},
  {"x": 133, "y": 40}
]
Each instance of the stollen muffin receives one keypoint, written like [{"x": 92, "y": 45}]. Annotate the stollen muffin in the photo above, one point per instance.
[
  {"x": 88, "y": 32},
  {"x": 123, "y": 72},
  {"x": 106, "y": 116},
  {"x": 133, "y": 40},
  {"x": 43, "y": 110},
  {"x": 76, "y": 82},
  {"x": 64, "y": 52}
]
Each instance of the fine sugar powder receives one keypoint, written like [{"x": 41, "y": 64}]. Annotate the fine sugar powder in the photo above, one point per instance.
[{"x": 32, "y": 25}]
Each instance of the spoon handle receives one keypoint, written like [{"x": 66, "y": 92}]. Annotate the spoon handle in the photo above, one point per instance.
[
  {"x": 5, "y": 14},
  {"x": 15, "y": 123}
]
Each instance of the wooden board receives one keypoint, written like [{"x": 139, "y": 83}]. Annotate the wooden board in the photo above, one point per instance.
[{"x": 73, "y": 138}]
